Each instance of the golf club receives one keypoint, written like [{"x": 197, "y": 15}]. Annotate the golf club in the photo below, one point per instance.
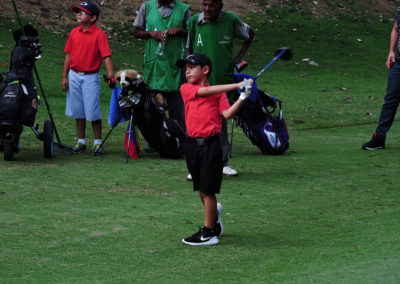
[
  {"x": 104, "y": 140},
  {"x": 285, "y": 53}
]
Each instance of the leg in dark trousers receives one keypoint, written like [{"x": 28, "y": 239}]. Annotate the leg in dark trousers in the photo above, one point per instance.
[{"x": 391, "y": 103}]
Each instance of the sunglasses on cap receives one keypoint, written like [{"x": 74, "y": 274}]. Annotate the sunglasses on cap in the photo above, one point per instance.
[{"x": 82, "y": 13}]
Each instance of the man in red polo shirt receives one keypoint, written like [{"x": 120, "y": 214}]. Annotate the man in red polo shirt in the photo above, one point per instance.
[{"x": 86, "y": 48}]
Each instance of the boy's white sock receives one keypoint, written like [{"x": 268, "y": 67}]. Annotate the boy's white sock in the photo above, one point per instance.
[
  {"x": 82, "y": 141},
  {"x": 97, "y": 141}
]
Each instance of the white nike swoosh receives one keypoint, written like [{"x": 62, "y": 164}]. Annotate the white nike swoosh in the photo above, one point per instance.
[{"x": 204, "y": 239}]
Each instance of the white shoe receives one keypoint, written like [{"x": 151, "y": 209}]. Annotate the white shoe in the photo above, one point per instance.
[
  {"x": 219, "y": 228},
  {"x": 228, "y": 171},
  {"x": 189, "y": 177}
]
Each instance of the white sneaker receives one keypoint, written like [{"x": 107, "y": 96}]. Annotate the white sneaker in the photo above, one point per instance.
[
  {"x": 228, "y": 171},
  {"x": 189, "y": 177},
  {"x": 218, "y": 228}
]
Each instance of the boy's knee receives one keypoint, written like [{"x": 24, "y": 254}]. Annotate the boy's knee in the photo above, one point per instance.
[{"x": 208, "y": 195}]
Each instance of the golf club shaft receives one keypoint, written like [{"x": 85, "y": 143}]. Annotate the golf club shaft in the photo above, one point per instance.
[
  {"x": 17, "y": 14},
  {"x": 270, "y": 63},
  {"x": 129, "y": 136},
  {"x": 104, "y": 140}
]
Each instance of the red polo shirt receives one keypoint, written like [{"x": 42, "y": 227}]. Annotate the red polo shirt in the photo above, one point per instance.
[
  {"x": 203, "y": 114},
  {"x": 87, "y": 48}
]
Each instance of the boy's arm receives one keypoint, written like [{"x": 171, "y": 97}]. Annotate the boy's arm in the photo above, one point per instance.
[
  {"x": 67, "y": 61},
  {"x": 230, "y": 112},
  {"x": 218, "y": 89},
  {"x": 109, "y": 66},
  {"x": 110, "y": 80},
  {"x": 246, "y": 91}
]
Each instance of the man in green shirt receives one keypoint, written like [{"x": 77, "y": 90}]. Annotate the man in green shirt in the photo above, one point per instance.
[
  {"x": 212, "y": 32},
  {"x": 163, "y": 22}
]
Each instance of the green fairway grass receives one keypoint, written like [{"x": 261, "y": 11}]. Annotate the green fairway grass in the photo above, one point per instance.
[{"x": 324, "y": 212}]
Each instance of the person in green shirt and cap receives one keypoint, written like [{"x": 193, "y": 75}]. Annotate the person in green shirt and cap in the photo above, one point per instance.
[
  {"x": 162, "y": 23},
  {"x": 212, "y": 32}
]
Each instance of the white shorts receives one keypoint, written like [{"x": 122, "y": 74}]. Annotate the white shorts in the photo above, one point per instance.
[{"x": 83, "y": 96}]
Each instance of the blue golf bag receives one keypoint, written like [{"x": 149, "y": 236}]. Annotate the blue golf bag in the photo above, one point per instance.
[{"x": 256, "y": 118}]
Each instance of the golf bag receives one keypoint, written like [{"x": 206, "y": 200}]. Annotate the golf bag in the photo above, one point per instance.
[
  {"x": 18, "y": 97},
  {"x": 163, "y": 134},
  {"x": 268, "y": 132}
]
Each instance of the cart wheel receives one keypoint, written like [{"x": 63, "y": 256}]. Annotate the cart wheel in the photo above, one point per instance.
[
  {"x": 8, "y": 152},
  {"x": 48, "y": 149}
]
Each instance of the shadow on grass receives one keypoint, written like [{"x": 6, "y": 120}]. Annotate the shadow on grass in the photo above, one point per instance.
[{"x": 262, "y": 240}]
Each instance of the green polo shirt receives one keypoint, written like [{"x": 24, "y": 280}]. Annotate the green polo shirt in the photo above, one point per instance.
[{"x": 215, "y": 39}]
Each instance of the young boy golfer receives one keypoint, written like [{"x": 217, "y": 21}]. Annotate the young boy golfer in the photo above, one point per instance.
[
  {"x": 86, "y": 47},
  {"x": 205, "y": 106}
]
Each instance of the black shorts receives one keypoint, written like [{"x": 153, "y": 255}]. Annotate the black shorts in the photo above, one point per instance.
[{"x": 204, "y": 162}]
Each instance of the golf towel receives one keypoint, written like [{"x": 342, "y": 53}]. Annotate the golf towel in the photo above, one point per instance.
[{"x": 115, "y": 117}]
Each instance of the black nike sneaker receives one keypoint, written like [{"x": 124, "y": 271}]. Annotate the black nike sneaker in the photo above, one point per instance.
[{"x": 204, "y": 237}]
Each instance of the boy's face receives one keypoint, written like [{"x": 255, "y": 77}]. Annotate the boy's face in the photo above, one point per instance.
[
  {"x": 195, "y": 73},
  {"x": 84, "y": 18}
]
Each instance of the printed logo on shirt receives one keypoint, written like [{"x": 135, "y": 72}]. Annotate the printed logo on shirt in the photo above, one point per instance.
[{"x": 224, "y": 39}]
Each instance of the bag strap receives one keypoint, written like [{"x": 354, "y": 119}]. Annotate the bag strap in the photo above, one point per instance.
[{"x": 280, "y": 107}]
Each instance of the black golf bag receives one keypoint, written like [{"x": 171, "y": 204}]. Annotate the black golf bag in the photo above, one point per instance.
[
  {"x": 163, "y": 134},
  {"x": 268, "y": 132},
  {"x": 18, "y": 97}
]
